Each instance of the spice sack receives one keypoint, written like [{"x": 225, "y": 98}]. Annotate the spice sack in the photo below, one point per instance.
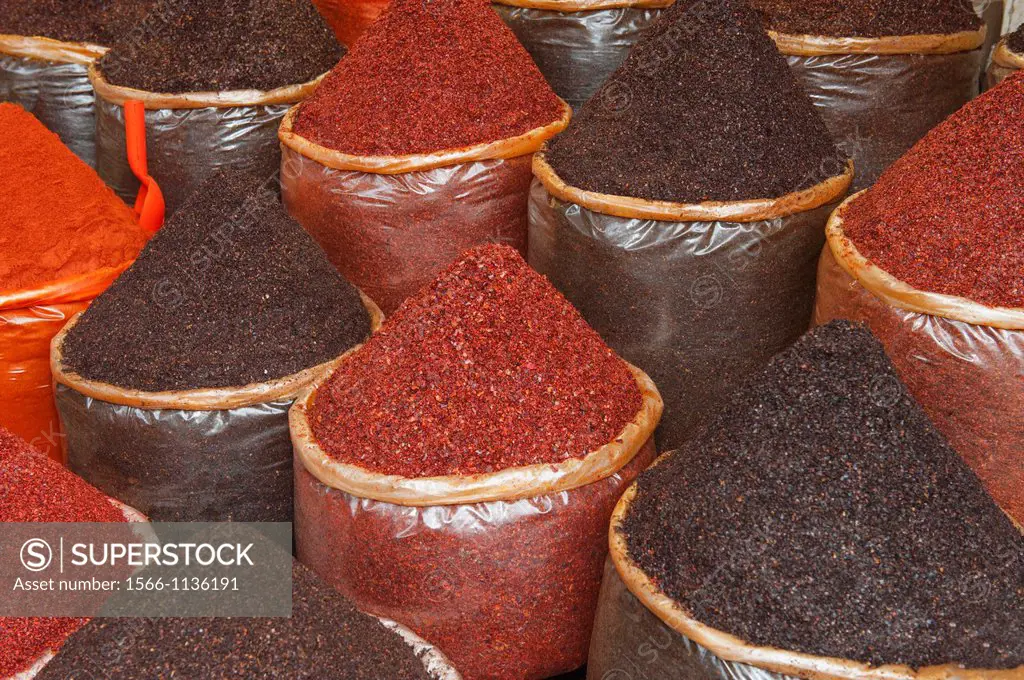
[
  {"x": 220, "y": 109},
  {"x": 931, "y": 260},
  {"x": 418, "y": 146},
  {"x": 174, "y": 387},
  {"x": 651, "y": 212},
  {"x": 459, "y": 475},
  {"x": 1007, "y": 58},
  {"x": 775, "y": 545}
]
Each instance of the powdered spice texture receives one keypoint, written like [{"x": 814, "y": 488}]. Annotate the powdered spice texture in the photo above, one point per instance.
[
  {"x": 821, "y": 512},
  {"x": 703, "y": 109},
  {"x": 229, "y": 293},
  {"x": 869, "y": 18},
  {"x": 948, "y": 217},
  {"x": 203, "y": 46},
  {"x": 58, "y": 219},
  {"x": 486, "y": 369},
  {"x": 34, "y": 488},
  {"x": 99, "y": 22},
  {"x": 429, "y": 75},
  {"x": 325, "y": 637}
]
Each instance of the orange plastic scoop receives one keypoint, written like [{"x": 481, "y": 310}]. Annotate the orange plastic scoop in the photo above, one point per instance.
[{"x": 149, "y": 203}]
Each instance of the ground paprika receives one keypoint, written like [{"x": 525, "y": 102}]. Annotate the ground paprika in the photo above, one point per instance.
[{"x": 64, "y": 237}]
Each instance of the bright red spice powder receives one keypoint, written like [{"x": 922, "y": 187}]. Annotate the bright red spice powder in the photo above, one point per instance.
[
  {"x": 948, "y": 217},
  {"x": 429, "y": 75},
  {"x": 34, "y": 488},
  {"x": 488, "y": 368}
]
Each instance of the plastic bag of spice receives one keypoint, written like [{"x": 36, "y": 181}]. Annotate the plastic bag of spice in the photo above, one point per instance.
[
  {"x": 206, "y": 454},
  {"x": 879, "y": 96},
  {"x": 639, "y": 632},
  {"x": 963, "y": 361},
  {"x": 1004, "y": 62},
  {"x": 391, "y": 223},
  {"x": 190, "y": 136},
  {"x": 699, "y": 296},
  {"x": 50, "y": 79},
  {"x": 577, "y": 44},
  {"x": 501, "y": 571}
]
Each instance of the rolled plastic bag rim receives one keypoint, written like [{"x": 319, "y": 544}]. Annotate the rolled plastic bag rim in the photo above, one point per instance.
[
  {"x": 117, "y": 94},
  {"x": 506, "y": 485},
  {"x": 1007, "y": 58},
  {"x": 733, "y": 649},
  {"x": 754, "y": 210},
  {"x": 569, "y": 6},
  {"x": 512, "y": 147},
  {"x": 206, "y": 399},
  {"x": 70, "y": 289},
  {"x": 926, "y": 44},
  {"x": 48, "y": 49},
  {"x": 902, "y": 295},
  {"x": 438, "y": 666}
]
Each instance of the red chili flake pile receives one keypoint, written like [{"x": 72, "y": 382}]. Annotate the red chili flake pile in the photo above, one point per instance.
[
  {"x": 34, "y": 488},
  {"x": 948, "y": 217},
  {"x": 429, "y": 75},
  {"x": 486, "y": 369}
]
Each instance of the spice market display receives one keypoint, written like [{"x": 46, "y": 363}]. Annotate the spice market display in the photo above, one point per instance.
[{"x": 542, "y": 339}]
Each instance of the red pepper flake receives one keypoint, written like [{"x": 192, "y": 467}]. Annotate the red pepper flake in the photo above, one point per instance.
[
  {"x": 34, "y": 488},
  {"x": 486, "y": 369},
  {"x": 429, "y": 75},
  {"x": 948, "y": 217}
]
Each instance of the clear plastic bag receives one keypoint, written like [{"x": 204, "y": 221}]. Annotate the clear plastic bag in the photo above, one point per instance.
[
  {"x": 391, "y": 224},
  {"x": 698, "y": 304},
  {"x": 499, "y": 571},
  {"x": 50, "y": 80},
  {"x": 879, "y": 98},
  {"x": 189, "y": 137},
  {"x": 1004, "y": 63},
  {"x": 962, "y": 361},
  {"x": 578, "y": 49},
  {"x": 209, "y": 455},
  {"x": 640, "y": 632}
]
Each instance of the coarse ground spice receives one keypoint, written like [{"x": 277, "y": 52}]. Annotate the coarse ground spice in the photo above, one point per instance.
[
  {"x": 704, "y": 108},
  {"x": 325, "y": 637},
  {"x": 488, "y": 368},
  {"x": 58, "y": 219},
  {"x": 821, "y": 512},
  {"x": 1015, "y": 41},
  {"x": 100, "y": 22},
  {"x": 202, "y": 46},
  {"x": 229, "y": 293},
  {"x": 948, "y": 217},
  {"x": 34, "y": 488},
  {"x": 868, "y": 18},
  {"x": 429, "y": 75}
]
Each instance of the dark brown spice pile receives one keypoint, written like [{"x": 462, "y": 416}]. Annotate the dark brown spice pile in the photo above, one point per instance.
[
  {"x": 821, "y": 512},
  {"x": 869, "y": 18},
  {"x": 703, "y": 109},
  {"x": 429, "y": 75},
  {"x": 100, "y": 22},
  {"x": 488, "y": 368},
  {"x": 34, "y": 488},
  {"x": 948, "y": 217},
  {"x": 325, "y": 637},
  {"x": 203, "y": 46},
  {"x": 1015, "y": 41},
  {"x": 230, "y": 292}
]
